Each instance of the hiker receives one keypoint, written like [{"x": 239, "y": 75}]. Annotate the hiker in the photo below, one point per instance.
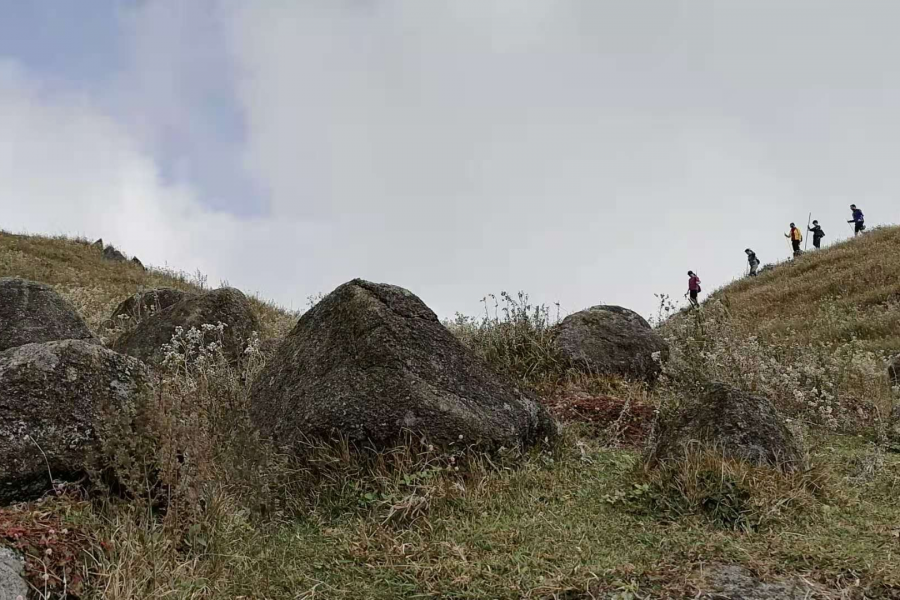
[
  {"x": 859, "y": 220},
  {"x": 754, "y": 262},
  {"x": 818, "y": 234},
  {"x": 693, "y": 289},
  {"x": 796, "y": 237}
]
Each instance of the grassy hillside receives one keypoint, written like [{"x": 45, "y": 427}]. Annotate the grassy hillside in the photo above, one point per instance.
[
  {"x": 232, "y": 518},
  {"x": 96, "y": 286},
  {"x": 850, "y": 291}
]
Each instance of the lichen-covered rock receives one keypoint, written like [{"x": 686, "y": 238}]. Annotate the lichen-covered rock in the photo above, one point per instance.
[
  {"x": 227, "y": 305},
  {"x": 146, "y": 303},
  {"x": 612, "y": 340},
  {"x": 60, "y": 403},
  {"x": 32, "y": 312},
  {"x": 737, "y": 424},
  {"x": 371, "y": 362},
  {"x": 12, "y": 576}
]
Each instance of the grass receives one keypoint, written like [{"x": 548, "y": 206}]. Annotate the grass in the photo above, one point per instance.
[
  {"x": 95, "y": 286},
  {"x": 223, "y": 515}
]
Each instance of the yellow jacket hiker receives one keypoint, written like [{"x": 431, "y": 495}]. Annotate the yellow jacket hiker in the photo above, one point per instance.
[{"x": 796, "y": 237}]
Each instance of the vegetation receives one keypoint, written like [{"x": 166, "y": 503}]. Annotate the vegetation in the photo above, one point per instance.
[{"x": 211, "y": 511}]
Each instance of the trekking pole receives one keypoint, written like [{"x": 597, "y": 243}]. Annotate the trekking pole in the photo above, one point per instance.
[{"x": 806, "y": 238}]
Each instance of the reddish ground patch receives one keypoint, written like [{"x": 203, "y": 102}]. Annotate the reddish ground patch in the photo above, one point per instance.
[
  {"x": 633, "y": 421},
  {"x": 53, "y": 551}
]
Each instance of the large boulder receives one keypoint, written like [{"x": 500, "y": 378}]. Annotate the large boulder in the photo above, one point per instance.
[
  {"x": 227, "y": 305},
  {"x": 371, "y": 362},
  {"x": 146, "y": 303},
  {"x": 12, "y": 576},
  {"x": 611, "y": 340},
  {"x": 60, "y": 403},
  {"x": 32, "y": 312},
  {"x": 737, "y": 424}
]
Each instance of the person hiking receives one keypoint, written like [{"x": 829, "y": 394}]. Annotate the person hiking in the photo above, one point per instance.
[
  {"x": 818, "y": 234},
  {"x": 859, "y": 220},
  {"x": 693, "y": 289},
  {"x": 754, "y": 262},
  {"x": 796, "y": 237}
]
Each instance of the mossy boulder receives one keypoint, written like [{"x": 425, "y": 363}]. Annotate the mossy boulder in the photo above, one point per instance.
[{"x": 371, "y": 362}]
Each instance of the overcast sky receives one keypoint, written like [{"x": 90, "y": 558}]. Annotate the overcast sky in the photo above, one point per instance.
[{"x": 586, "y": 151}]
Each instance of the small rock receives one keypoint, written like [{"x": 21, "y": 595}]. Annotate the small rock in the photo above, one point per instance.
[
  {"x": 612, "y": 340},
  {"x": 135, "y": 261},
  {"x": 98, "y": 244},
  {"x": 146, "y": 303},
  {"x": 110, "y": 253},
  {"x": 12, "y": 571},
  {"x": 32, "y": 312},
  {"x": 226, "y": 305},
  {"x": 739, "y": 425}
]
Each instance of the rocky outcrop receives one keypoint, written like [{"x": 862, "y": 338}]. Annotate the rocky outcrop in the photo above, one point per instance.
[
  {"x": 12, "y": 576},
  {"x": 227, "y": 305},
  {"x": 136, "y": 262},
  {"x": 110, "y": 253},
  {"x": 611, "y": 340},
  {"x": 371, "y": 362},
  {"x": 737, "y": 424},
  {"x": 61, "y": 403},
  {"x": 146, "y": 303},
  {"x": 32, "y": 312}
]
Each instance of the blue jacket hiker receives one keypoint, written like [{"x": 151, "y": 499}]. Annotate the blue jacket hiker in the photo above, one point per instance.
[{"x": 859, "y": 220}]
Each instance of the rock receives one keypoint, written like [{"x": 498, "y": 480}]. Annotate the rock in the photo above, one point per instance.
[
  {"x": 98, "y": 244},
  {"x": 735, "y": 423},
  {"x": 110, "y": 253},
  {"x": 136, "y": 262},
  {"x": 732, "y": 582},
  {"x": 371, "y": 361},
  {"x": 226, "y": 305},
  {"x": 612, "y": 340},
  {"x": 12, "y": 576},
  {"x": 61, "y": 402},
  {"x": 33, "y": 312},
  {"x": 149, "y": 302}
]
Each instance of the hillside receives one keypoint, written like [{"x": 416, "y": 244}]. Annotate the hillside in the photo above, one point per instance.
[
  {"x": 230, "y": 516},
  {"x": 95, "y": 286},
  {"x": 849, "y": 291}
]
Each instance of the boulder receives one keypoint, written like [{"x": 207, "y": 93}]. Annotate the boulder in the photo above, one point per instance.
[
  {"x": 149, "y": 302},
  {"x": 136, "y": 262},
  {"x": 226, "y": 305},
  {"x": 33, "y": 312},
  {"x": 61, "y": 402},
  {"x": 372, "y": 362},
  {"x": 740, "y": 425},
  {"x": 98, "y": 244},
  {"x": 611, "y": 340},
  {"x": 110, "y": 253},
  {"x": 12, "y": 576}
]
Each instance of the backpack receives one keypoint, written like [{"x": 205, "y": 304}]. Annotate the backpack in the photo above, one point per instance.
[{"x": 821, "y": 232}]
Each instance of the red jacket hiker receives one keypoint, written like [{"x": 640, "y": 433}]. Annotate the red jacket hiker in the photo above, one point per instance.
[{"x": 694, "y": 283}]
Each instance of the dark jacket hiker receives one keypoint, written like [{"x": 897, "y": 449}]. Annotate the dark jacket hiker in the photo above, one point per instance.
[
  {"x": 859, "y": 220},
  {"x": 754, "y": 262},
  {"x": 818, "y": 234}
]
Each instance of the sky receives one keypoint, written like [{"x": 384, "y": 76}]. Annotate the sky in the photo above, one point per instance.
[{"x": 584, "y": 151}]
